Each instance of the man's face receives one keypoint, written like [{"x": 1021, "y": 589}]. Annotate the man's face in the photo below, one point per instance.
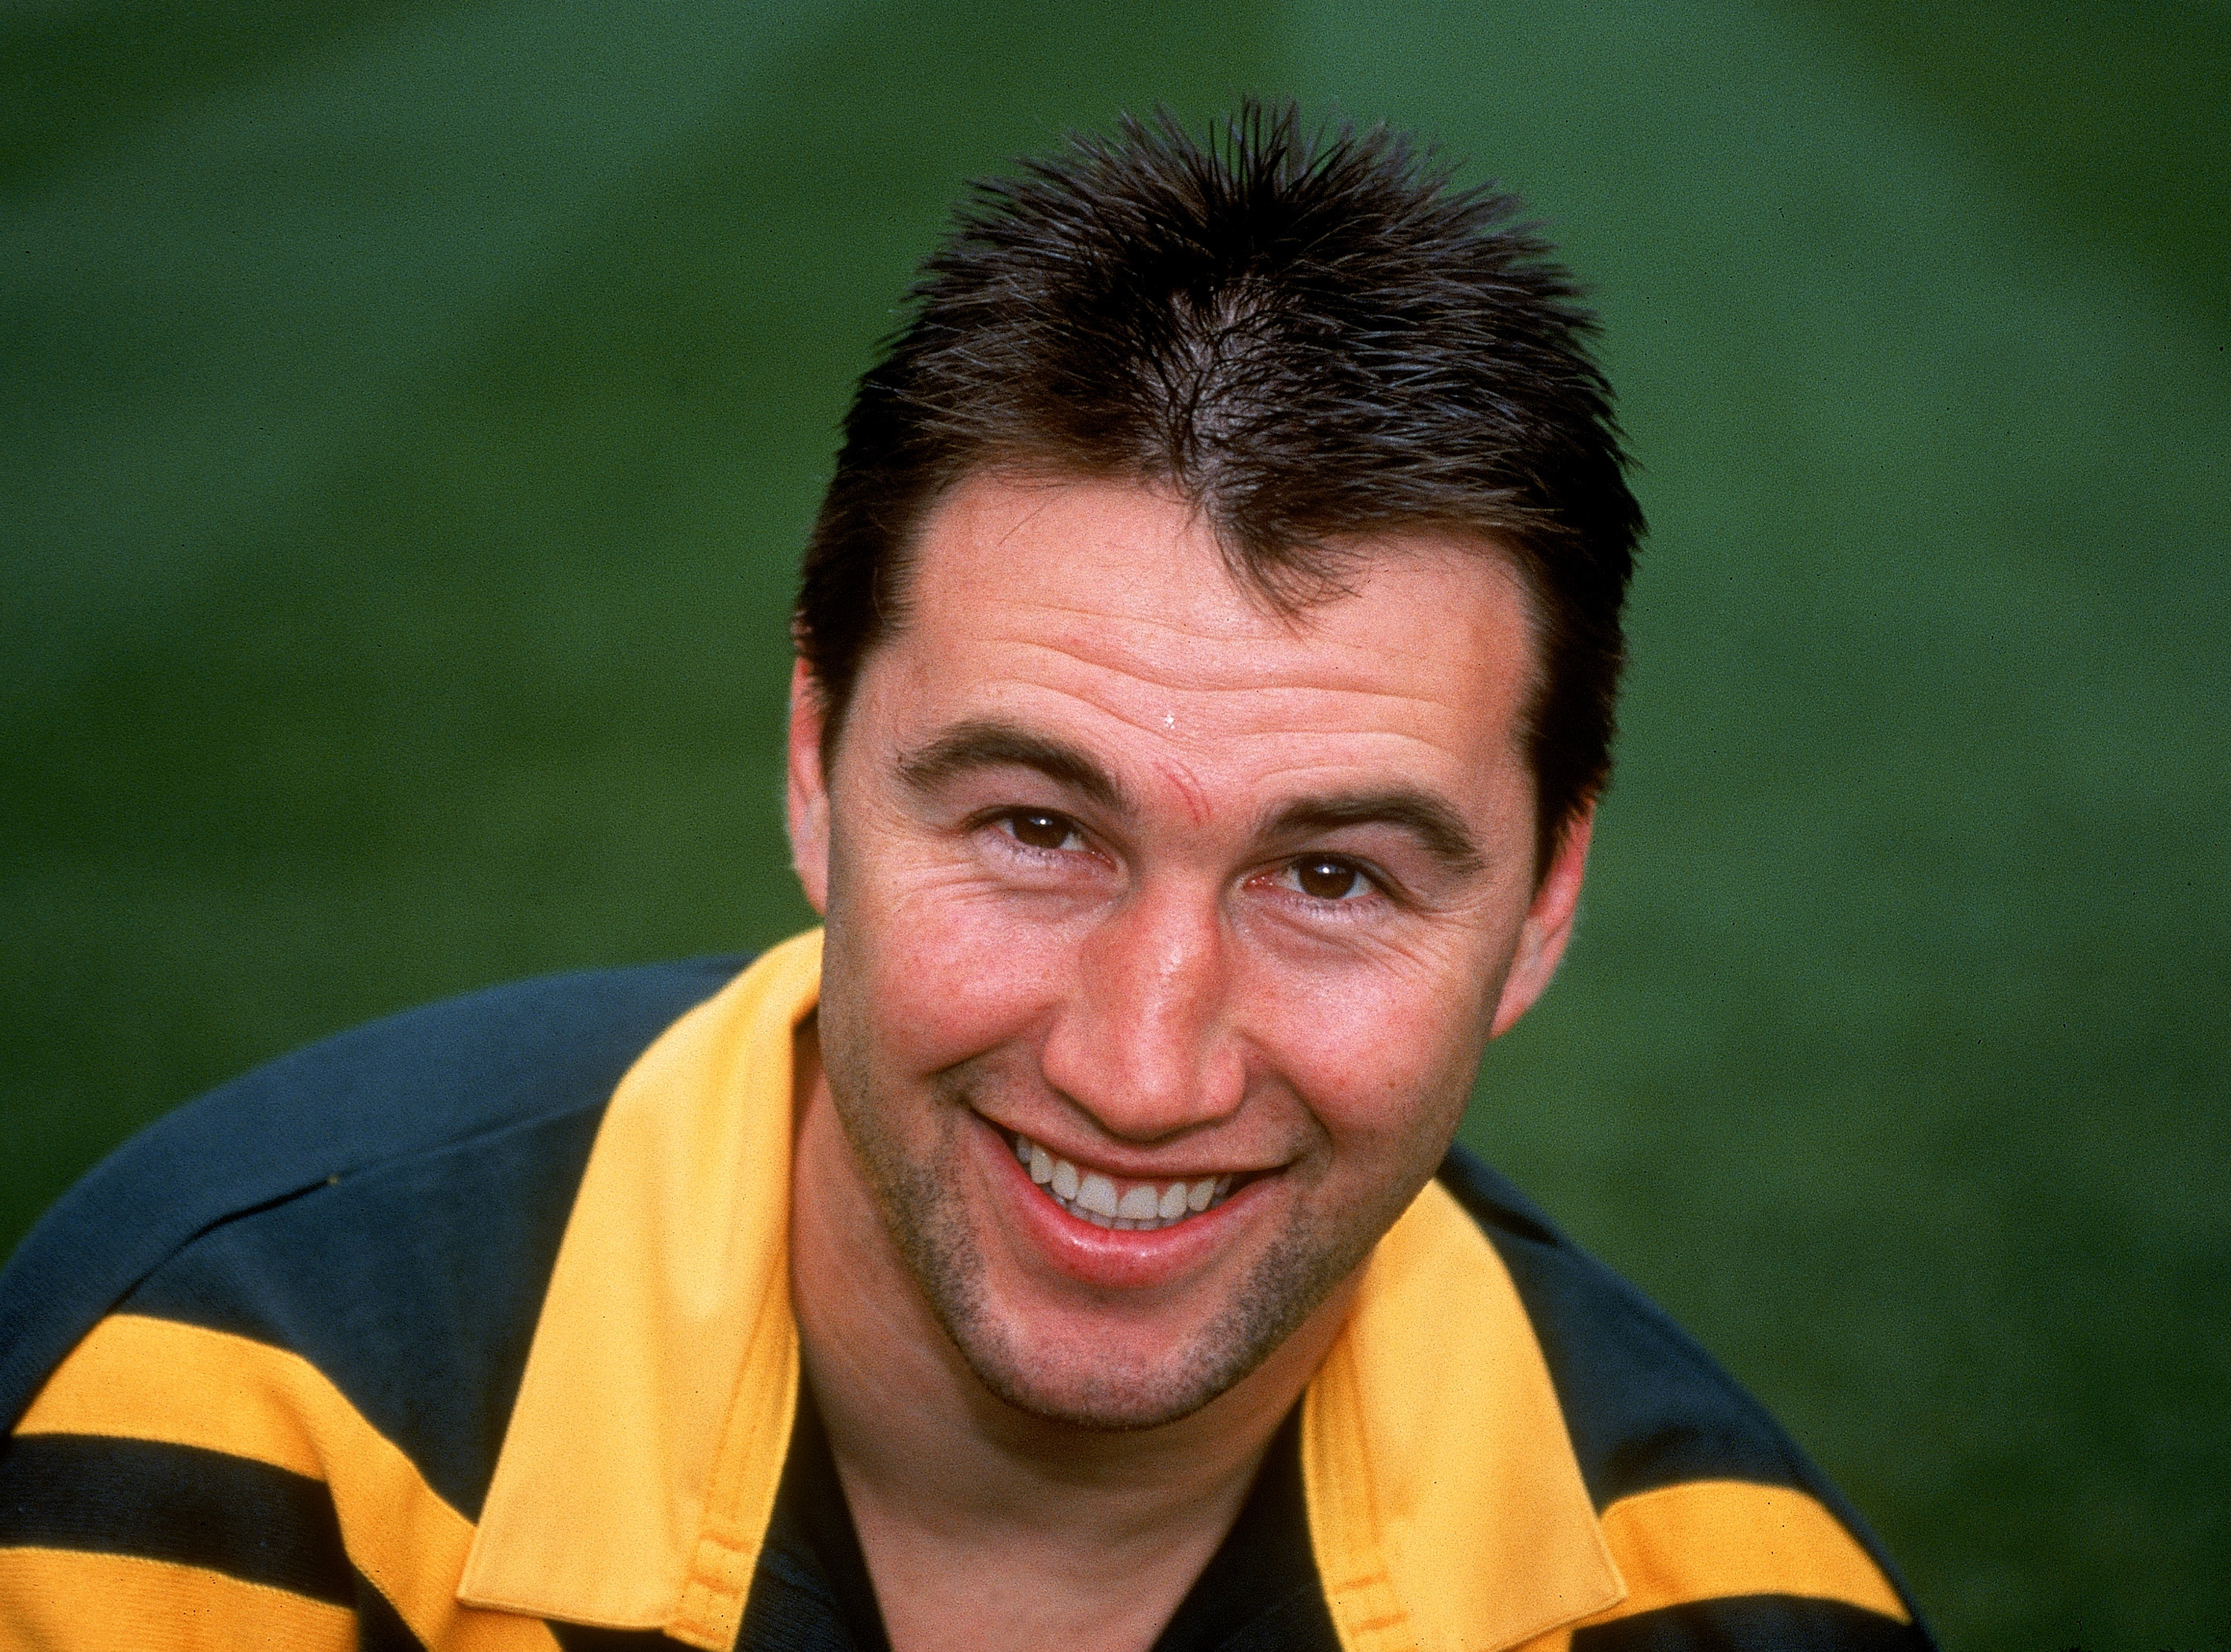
[{"x": 1164, "y": 931}]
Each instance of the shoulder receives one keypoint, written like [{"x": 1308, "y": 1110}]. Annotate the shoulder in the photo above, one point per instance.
[
  {"x": 1645, "y": 1405},
  {"x": 258, "y": 1365},
  {"x": 1725, "y": 1530},
  {"x": 397, "y": 1119}
]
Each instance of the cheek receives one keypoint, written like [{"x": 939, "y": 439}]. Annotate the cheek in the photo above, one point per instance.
[
  {"x": 1384, "y": 1057},
  {"x": 939, "y": 974}
]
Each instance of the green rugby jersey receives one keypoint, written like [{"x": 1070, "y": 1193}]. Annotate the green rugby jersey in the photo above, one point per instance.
[{"x": 471, "y": 1329}]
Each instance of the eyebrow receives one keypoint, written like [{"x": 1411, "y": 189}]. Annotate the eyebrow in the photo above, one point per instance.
[
  {"x": 1426, "y": 818},
  {"x": 970, "y": 747}
]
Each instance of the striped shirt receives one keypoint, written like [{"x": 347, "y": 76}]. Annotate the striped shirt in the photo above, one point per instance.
[{"x": 471, "y": 1329}]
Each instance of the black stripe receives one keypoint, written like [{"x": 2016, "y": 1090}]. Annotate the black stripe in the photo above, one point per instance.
[
  {"x": 379, "y": 1627},
  {"x": 811, "y": 1591},
  {"x": 580, "y": 1637},
  {"x": 1260, "y": 1588},
  {"x": 1754, "y": 1623},
  {"x": 1645, "y": 1406},
  {"x": 442, "y": 1263},
  {"x": 101, "y": 1495},
  {"x": 380, "y": 1096}
]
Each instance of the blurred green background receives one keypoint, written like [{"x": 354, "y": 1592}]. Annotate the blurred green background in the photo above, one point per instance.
[{"x": 411, "y": 415}]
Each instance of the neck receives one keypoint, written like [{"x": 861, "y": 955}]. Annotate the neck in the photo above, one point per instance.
[{"x": 983, "y": 1525}]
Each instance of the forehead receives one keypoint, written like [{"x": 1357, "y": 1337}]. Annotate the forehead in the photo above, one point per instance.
[{"x": 1112, "y": 600}]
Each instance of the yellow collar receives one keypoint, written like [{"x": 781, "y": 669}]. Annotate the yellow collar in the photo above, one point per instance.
[{"x": 640, "y": 1467}]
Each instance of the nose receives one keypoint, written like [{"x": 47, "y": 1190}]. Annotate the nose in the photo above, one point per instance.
[{"x": 1144, "y": 1039}]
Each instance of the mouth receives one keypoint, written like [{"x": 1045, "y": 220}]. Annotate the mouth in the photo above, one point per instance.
[{"x": 1116, "y": 1202}]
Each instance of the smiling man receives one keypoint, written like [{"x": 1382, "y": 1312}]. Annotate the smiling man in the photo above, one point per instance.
[
  {"x": 1165, "y": 928},
  {"x": 1206, "y": 653}
]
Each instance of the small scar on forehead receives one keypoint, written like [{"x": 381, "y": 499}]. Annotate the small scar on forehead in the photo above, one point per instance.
[{"x": 1181, "y": 781}]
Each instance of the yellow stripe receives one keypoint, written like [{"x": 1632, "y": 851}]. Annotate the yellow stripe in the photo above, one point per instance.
[
  {"x": 62, "y": 1600},
  {"x": 155, "y": 1379},
  {"x": 1446, "y": 1509},
  {"x": 653, "y": 1417},
  {"x": 1711, "y": 1539},
  {"x": 742, "y": 1498},
  {"x": 152, "y": 1379}
]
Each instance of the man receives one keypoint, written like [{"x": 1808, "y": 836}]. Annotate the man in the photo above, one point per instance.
[{"x": 1206, "y": 655}]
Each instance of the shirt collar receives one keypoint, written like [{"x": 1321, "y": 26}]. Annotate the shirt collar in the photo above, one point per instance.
[{"x": 644, "y": 1451}]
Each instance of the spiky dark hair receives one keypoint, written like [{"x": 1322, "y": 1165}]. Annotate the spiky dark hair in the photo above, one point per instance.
[{"x": 1311, "y": 338}]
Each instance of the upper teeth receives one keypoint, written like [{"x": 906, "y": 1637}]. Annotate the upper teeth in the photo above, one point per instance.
[{"x": 1107, "y": 1202}]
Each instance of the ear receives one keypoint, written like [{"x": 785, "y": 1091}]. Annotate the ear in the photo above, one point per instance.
[
  {"x": 1548, "y": 922},
  {"x": 806, "y": 804}
]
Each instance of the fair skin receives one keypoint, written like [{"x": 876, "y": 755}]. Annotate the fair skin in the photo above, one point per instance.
[{"x": 1165, "y": 933}]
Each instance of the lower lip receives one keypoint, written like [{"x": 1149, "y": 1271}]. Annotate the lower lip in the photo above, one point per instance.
[{"x": 1109, "y": 1257}]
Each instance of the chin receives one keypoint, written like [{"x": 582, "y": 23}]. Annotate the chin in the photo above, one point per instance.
[
  {"x": 1081, "y": 1385},
  {"x": 1093, "y": 1395}
]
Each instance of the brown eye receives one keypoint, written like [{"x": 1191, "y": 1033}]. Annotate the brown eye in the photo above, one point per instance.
[
  {"x": 1326, "y": 880},
  {"x": 1036, "y": 830}
]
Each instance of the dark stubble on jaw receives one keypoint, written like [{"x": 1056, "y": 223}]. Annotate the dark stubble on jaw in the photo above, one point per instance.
[{"x": 1287, "y": 1284}]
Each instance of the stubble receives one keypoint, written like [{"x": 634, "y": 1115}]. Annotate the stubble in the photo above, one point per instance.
[{"x": 927, "y": 1224}]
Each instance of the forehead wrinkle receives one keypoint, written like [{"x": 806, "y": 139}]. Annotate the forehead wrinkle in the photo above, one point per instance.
[
  {"x": 1133, "y": 635},
  {"x": 1399, "y": 713},
  {"x": 1168, "y": 676},
  {"x": 1172, "y": 751},
  {"x": 1145, "y": 601},
  {"x": 1230, "y": 609}
]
